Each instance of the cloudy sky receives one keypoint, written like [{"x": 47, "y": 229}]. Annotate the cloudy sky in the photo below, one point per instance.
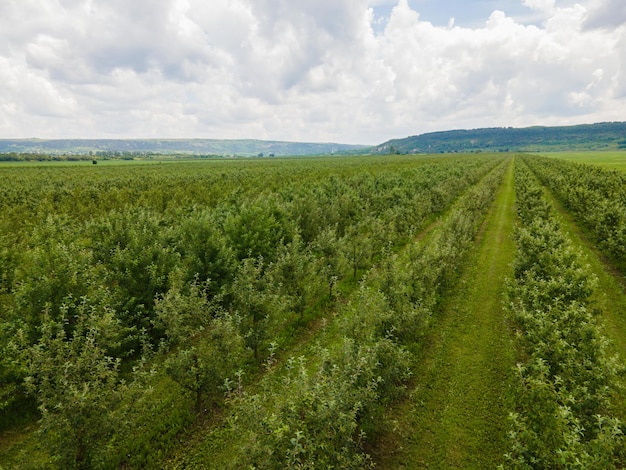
[{"x": 349, "y": 71}]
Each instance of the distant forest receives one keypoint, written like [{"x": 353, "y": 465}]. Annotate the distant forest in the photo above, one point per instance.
[{"x": 601, "y": 136}]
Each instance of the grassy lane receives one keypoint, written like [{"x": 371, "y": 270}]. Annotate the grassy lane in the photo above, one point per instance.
[
  {"x": 609, "y": 296},
  {"x": 456, "y": 416}
]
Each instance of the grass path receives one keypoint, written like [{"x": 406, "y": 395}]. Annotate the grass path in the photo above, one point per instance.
[{"x": 456, "y": 414}]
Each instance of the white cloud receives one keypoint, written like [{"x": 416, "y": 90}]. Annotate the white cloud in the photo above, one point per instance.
[
  {"x": 540, "y": 5},
  {"x": 308, "y": 70}
]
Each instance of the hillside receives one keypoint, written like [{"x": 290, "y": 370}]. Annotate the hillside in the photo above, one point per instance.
[
  {"x": 601, "y": 136},
  {"x": 170, "y": 146}
]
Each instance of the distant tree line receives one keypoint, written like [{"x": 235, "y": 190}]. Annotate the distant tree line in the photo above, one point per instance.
[
  {"x": 41, "y": 157},
  {"x": 91, "y": 155},
  {"x": 601, "y": 136}
]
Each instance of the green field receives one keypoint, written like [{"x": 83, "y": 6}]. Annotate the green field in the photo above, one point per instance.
[
  {"x": 458, "y": 311},
  {"x": 615, "y": 160}
]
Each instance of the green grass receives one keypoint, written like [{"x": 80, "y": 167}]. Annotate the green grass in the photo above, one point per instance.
[
  {"x": 456, "y": 415},
  {"x": 615, "y": 159}
]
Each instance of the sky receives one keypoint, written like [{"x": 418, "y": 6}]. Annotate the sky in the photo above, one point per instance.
[{"x": 346, "y": 71}]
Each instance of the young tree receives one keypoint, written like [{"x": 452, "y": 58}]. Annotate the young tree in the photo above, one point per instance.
[
  {"x": 256, "y": 229},
  {"x": 331, "y": 262},
  {"x": 76, "y": 384},
  {"x": 289, "y": 276},
  {"x": 358, "y": 246},
  {"x": 206, "y": 346},
  {"x": 254, "y": 302},
  {"x": 15, "y": 404},
  {"x": 205, "y": 250}
]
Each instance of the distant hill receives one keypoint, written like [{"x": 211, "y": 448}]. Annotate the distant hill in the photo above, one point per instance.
[
  {"x": 602, "y": 136},
  {"x": 171, "y": 147}
]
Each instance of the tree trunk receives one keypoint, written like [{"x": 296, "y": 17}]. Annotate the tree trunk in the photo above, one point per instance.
[
  {"x": 80, "y": 451},
  {"x": 198, "y": 405}
]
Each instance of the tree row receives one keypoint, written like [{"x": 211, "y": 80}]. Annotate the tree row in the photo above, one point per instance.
[
  {"x": 563, "y": 417},
  {"x": 595, "y": 195}
]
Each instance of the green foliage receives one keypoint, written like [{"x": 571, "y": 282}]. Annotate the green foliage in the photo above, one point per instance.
[
  {"x": 318, "y": 415},
  {"x": 257, "y": 229},
  {"x": 597, "y": 196},
  {"x": 76, "y": 385},
  {"x": 316, "y": 425},
  {"x": 218, "y": 263},
  {"x": 598, "y": 136},
  {"x": 83, "y": 149},
  {"x": 563, "y": 418},
  {"x": 256, "y": 303},
  {"x": 56, "y": 270},
  {"x": 331, "y": 263},
  {"x": 206, "y": 345},
  {"x": 291, "y": 276},
  {"x": 205, "y": 250},
  {"x": 134, "y": 247},
  {"x": 13, "y": 369},
  {"x": 359, "y": 249}
]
